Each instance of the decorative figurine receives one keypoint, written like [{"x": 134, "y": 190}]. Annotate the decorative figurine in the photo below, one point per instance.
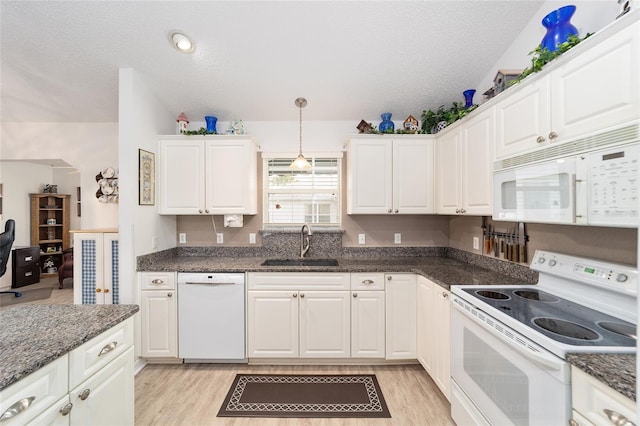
[
  {"x": 236, "y": 127},
  {"x": 182, "y": 123},
  {"x": 364, "y": 127},
  {"x": 410, "y": 124}
]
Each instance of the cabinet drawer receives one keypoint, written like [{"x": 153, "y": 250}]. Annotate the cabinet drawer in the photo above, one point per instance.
[
  {"x": 158, "y": 280},
  {"x": 26, "y": 256},
  {"x": 298, "y": 281},
  {"x": 367, "y": 281},
  {"x": 590, "y": 397},
  {"x": 91, "y": 356},
  {"x": 25, "y": 275},
  {"x": 46, "y": 385}
]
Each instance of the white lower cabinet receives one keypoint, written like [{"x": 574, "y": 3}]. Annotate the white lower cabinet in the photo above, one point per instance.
[
  {"x": 91, "y": 385},
  {"x": 367, "y": 315},
  {"x": 159, "y": 315},
  {"x": 400, "y": 304},
  {"x": 433, "y": 340},
  {"x": 293, "y": 315}
]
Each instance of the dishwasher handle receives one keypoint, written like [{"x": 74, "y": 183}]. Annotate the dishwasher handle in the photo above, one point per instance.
[{"x": 211, "y": 283}]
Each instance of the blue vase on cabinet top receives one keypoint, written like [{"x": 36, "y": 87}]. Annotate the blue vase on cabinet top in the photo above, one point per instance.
[
  {"x": 559, "y": 27},
  {"x": 386, "y": 125},
  {"x": 211, "y": 123}
]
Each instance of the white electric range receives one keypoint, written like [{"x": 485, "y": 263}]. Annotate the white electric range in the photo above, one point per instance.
[{"x": 509, "y": 343}]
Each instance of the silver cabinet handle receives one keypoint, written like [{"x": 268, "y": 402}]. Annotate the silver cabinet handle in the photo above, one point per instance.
[
  {"x": 28, "y": 274},
  {"x": 388, "y": 277},
  {"x": 444, "y": 294},
  {"x": 206, "y": 211},
  {"x": 553, "y": 135},
  {"x": 457, "y": 210},
  {"x": 618, "y": 419},
  {"x": 355, "y": 294},
  {"x": 463, "y": 211},
  {"x": 573, "y": 423},
  {"x": 66, "y": 409},
  {"x": 84, "y": 394},
  {"x": 367, "y": 282},
  {"x": 200, "y": 211},
  {"x": 302, "y": 295},
  {"x": 108, "y": 348},
  {"x": 389, "y": 211},
  {"x": 396, "y": 211},
  {"x": 295, "y": 294},
  {"x": 540, "y": 139},
  {"x": 169, "y": 294},
  {"x": 17, "y": 408},
  {"x": 157, "y": 281},
  {"x": 28, "y": 258}
]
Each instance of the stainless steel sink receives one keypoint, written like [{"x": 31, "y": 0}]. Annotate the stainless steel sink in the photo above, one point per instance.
[{"x": 300, "y": 262}]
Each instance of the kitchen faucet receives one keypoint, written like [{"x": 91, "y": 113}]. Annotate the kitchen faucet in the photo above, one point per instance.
[{"x": 304, "y": 241}]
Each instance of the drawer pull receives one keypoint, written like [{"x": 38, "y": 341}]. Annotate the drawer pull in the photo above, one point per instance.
[
  {"x": 617, "y": 418},
  {"x": 98, "y": 290},
  {"x": 28, "y": 258},
  {"x": 106, "y": 290},
  {"x": 84, "y": 394},
  {"x": 108, "y": 348},
  {"x": 157, "y": 281},
  {"x": 169, "y": 294},
  {"x": 66, "y": 409},
  {"x": 28, "y": 274},
  {"x": 355, "y": 295},
  {"x": 367, "y": 282},
  {"x": 17, "y": 408}
]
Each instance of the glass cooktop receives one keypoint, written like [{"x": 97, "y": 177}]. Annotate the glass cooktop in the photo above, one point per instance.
[{"x": 557, "y": 318}]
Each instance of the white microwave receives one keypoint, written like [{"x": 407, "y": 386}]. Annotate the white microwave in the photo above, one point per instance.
[{"x": 597, "y": 188}]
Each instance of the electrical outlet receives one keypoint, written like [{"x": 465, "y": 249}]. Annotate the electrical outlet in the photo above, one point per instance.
[
  {"x": 220, "y": 238},
  {"x": 154, "y": 242},
  {"x": 252, "y": 238},
  {"x": 361, "y": 239},
  {"x": 476, "y": 243},
  {"x": 397, "y": 238},
  {"x": 182, "y": 238}
]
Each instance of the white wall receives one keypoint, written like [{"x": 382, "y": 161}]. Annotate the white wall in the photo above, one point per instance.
[
  {"x": 590, "y": 16},
  {"x": 89, "y": 147},
  {"x": 141, "y": 119},
  {"x": 68, "y": 180}
]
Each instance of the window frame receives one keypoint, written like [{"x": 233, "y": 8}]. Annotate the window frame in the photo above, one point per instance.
[{"x": 266, "y": 191}]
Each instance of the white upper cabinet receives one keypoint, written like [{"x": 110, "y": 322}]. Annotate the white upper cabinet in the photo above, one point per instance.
[
  {"x": 593, "y": 88},
  {"x": 463, "y": 166},
  {"x": 213, "y": 175},
  {"x": 390, "y": 176}
]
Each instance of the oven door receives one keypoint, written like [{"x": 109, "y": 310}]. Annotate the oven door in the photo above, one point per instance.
[
  {"x": 502, "y": 377},
  {"x": 544, "y": 192}
]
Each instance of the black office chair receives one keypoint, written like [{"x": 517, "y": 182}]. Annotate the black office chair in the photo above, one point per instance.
[{"x": 6, "y": 241}]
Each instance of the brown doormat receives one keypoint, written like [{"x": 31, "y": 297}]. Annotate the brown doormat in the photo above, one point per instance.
[{"x": 266, "y": 395}]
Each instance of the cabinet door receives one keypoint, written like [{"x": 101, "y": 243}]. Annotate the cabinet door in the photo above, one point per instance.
[
  {"x": 369, "y": 177},
  {"x": 159, "y": 323},
  {"x": 400, "y": 305},
  {"x": 181, "y": 177},
  {"x": 476, "y": 156},
  {"x": 111, "y": 280},
  {"x": 325, "y": 324},
  {"x": 448, "y": 176},
  {"x": 598, "y": 88},
  {"x": 425, "y": 327},
  {"x": 442, "y": 342},
  {"x": 522, "y": 117},
  {"x": 231, "y": 177},
  {"x": 413, "y": 176},
  {"x": 367, "y": 324},
  {"x": 272, "y": 329},
  {"x": 88, "y": 268},
  {"x": 107, "y": 397}
]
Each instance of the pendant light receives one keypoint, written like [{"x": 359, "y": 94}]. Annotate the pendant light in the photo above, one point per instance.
[{"x": 300, "y": 163}]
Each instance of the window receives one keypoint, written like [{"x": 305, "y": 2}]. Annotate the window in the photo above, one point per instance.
[{"x": 294, "y": 197}]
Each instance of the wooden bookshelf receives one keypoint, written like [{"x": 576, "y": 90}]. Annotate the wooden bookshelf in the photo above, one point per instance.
[{"x": 50, "y": 227}]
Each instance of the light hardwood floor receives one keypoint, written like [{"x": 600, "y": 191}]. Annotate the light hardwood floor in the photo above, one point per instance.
[{"x": 191, "y": 394}]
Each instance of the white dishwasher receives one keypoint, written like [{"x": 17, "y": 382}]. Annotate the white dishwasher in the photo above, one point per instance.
[{"x": 211, "y": 317}]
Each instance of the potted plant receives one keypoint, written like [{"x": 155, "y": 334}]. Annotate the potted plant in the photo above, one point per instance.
[{"x": 435, "y": 121}]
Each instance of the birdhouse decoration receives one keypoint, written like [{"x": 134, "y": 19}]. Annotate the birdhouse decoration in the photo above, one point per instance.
[
  {"x": 410, "y": 124},
  {"x": 364, "y": 127},
  {"x": 182, "y": 123},
  {"x": 503, "y": 78}
]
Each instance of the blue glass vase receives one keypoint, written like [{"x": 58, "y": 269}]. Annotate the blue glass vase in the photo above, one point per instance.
[
  {"x": 211, "y": 123},
  {"x": 468, "y": 97},
  {"x": 558, "y": 27},
  {"x": 386, "y": 125}
]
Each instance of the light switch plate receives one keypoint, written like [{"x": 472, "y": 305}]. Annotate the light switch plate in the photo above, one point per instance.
[
  {"x": 182, "y": 238},
  {"x": 252, "y": 238},
  {"x": 361, "y": 239},
  {"x": 154, "y": 242},
  {"x": 219, "y": 238},
  {"x": 476, "y": 243},
  {"x": 397, "y": 238}
]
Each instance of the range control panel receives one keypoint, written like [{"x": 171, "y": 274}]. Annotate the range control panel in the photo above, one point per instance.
[{"x": 622, "y": 278}]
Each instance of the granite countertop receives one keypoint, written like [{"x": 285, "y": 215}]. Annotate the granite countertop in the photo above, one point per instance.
[
  {"x": 618, "y": 371},
  {"x": 442, "y": 270},
  {"x": 34, "y": 335}
]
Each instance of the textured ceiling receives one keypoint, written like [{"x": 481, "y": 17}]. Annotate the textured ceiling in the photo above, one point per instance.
[{"x": 350, "y": 59}]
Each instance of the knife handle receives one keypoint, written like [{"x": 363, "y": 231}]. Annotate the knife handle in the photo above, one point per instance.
[{"x": 523, "y": 253}]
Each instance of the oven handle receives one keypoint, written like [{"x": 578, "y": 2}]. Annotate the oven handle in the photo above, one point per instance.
[{"x": 541, "y": 356}]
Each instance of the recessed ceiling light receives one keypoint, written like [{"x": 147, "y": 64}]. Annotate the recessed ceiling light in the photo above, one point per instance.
[{"x": 181, "y": 42}]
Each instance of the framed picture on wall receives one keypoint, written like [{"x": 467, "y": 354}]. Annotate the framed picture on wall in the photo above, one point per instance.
[{"x": 146, "y": 178}]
